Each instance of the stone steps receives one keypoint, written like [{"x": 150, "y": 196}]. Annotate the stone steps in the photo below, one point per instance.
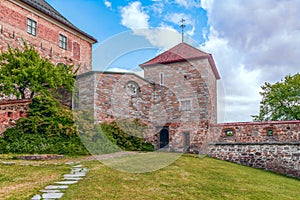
[{"x": 56, "y": 190}]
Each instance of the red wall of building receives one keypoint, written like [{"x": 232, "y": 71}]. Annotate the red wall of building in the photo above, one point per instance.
[
  {"x": 11, "y": 111},
  {"x": 13, "y": 20}
]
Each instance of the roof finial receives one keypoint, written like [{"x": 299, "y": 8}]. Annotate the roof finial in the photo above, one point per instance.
[{"x": 182, "y": 28}]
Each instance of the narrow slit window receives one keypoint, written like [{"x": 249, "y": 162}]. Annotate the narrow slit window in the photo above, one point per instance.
[
  {"x": 186, "y": 136},
  {"x": 161, "y": 78},
  {"x": 31, "y": 26}
]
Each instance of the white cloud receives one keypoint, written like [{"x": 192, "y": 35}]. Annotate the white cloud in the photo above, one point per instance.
[
  {"x": 252, "y": 42},
  {"x": 187, "y": 3},
  {"x": 163, "y": 37},
  {"x": 157, "y": 7},
  {"x": 206, "y": 4},
  {"x": 134, "y": 17},
  {"x": 191, "y": 32},
  {"x": 108, "y": 4},
  {"x": 137, "y": 72},
  {"x": 176, "y": 18},
  {"x": 240, "y": 84}
]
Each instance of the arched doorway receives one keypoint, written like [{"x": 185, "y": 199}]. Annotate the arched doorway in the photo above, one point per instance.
[{"x": 163, "y": 137}]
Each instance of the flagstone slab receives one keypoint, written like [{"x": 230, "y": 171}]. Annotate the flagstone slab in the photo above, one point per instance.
[
  {"x": 72, "y": 179},
  {"x": 36, "y": 197},
  {"x": 75, "y": 175},
  {"x": 66, "y": 182},
  {"x": 52, "y": 195},
  {"x": 77, "y": 166},
  {"x": 8, "y": 163},
  {"x": 50, "y": 191},
  {"x": 56, "y": 187}
]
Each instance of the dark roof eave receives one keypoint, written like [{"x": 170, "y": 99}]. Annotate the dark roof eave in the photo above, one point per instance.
[
  {"x": 94, "y": 40},
  {"x": 172, "y": 61},
  {"x": 111, "y": 72}
]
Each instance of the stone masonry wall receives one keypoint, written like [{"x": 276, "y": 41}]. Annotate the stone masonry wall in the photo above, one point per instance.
[
  {"x": 13, "y": 30},
  {"x": 249, "y": 132},
  {"x": 189, "y": 80},
  {"x": 272, "y": 146},
  {"x": 11, "y": 111},
  {"x": 281, "y": 158},
  {"x": 155, "y": 105}
]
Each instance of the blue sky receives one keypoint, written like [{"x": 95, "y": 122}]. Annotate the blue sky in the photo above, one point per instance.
[
  {"x": 252, "y": 42},
  {"x": 103, "y": 19}
]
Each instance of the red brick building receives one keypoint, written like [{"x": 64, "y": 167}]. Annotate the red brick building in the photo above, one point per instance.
[
  {"x": 52, "y": 35},
  {"x": 47, "y": 30}
]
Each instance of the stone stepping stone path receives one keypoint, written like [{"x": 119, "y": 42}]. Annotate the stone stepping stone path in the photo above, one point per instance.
[{"x": 56, "y": 190}]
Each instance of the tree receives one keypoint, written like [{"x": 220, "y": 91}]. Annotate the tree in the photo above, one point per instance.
[
  {"x": 25, "y": 71},
  {"x": 281, "y": 100}
]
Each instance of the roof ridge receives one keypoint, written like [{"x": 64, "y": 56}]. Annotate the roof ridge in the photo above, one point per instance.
[
  {"x": 180, "y": 53},
  {"x": 44, "y": 7}
]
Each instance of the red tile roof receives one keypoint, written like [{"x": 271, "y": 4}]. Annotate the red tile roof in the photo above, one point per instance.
[{"x": 179, "y": 53}]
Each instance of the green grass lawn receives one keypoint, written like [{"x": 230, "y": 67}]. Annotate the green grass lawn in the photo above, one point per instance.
[
  {"x": 21, "y": 182},
  {"x": 189, "y": 177}
]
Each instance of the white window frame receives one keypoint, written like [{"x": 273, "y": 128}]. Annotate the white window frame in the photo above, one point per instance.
[
  {"x": 186, "y": 105},
  {"x": 62, "y": 41},
  {"x": 31, "y": 26}
]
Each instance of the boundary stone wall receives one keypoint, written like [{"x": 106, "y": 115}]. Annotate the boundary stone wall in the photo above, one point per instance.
[
  {"x": 283, "y": 158},
  {"x": 273, "y": 146}
]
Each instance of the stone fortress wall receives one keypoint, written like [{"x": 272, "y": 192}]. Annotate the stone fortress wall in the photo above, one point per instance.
[{"x": 273, "y": 146}]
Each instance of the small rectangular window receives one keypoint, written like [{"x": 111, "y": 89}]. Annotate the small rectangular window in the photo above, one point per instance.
[
  {"x": 161, "y": 78},
  {"x": 62, "y": 41},
  {"x": 31, "y": 26},
  {"x": 229, "y": 132},
  {"x": 270, "y": 132},
  {"x": 186, "y": 105}
]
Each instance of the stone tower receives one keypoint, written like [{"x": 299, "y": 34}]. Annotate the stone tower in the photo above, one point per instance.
[{"x": 189, "y": 76}]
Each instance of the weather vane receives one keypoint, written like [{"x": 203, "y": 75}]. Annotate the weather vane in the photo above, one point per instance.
[{"x": 182, "y": 28}]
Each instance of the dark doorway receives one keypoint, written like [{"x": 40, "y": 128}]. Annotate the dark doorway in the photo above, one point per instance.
[{"x": 163, "y": 137}]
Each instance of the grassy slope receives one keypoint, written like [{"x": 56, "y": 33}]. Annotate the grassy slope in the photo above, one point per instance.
[
  {"x": 22, "y": 182},
  {"x": 188, "y": 178}
]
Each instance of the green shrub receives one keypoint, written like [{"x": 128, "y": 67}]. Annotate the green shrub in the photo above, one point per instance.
[
  {"x": 128, "y": 135},
  {"x": 48, "y": 128},
  {"x": 110, "y": 137}
]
